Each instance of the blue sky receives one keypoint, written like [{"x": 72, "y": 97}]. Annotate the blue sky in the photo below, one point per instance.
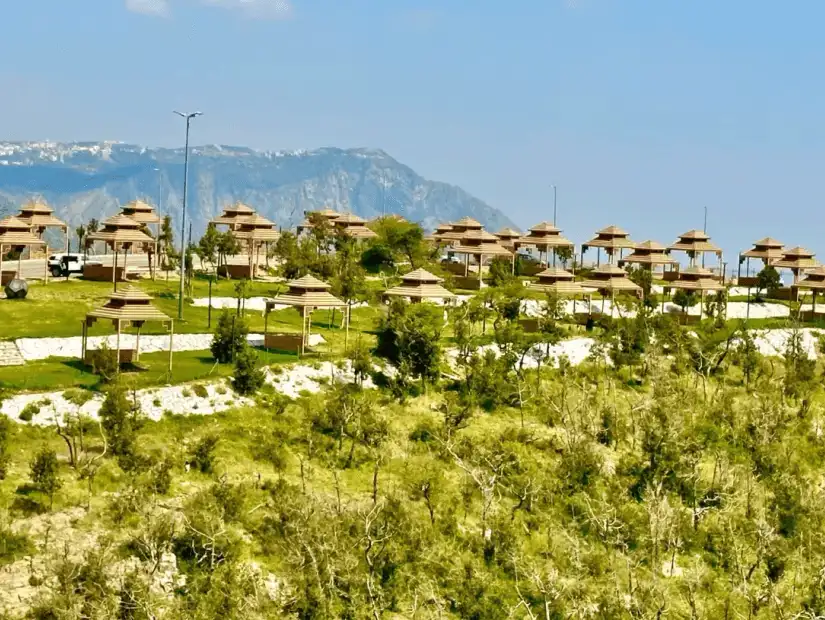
[{"x": 640, "y": 111}]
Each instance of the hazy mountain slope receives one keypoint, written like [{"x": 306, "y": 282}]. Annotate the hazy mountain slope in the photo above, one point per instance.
[{"x": 86, "y": 180}]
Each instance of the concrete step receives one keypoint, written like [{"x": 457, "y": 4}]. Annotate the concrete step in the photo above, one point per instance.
[{"x": 9, "y": 355}]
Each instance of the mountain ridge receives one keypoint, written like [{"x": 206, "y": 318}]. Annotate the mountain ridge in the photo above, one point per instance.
[{"x": 84, "y": 180}]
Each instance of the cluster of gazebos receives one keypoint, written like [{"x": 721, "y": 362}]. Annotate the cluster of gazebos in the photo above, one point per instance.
[
  {"x": 467, "y": 237},
  {"x": 24, "y": 231}
]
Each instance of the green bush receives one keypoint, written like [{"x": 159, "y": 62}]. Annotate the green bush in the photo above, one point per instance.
[
  {"x": 229, "y": 338},
  {"x": 249, "y": 377},
  {"x": 202, "y": 457},
  {"x": 200, "y": 390}
]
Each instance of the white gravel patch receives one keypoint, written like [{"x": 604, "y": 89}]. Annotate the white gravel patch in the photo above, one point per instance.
[
  {"x": 257, "y": 304},
  {"x": 772, "y": 342},
  {"x": 576, "y": 350},
  {"x": 43, "y": 348},
  {"x": 154, "y": 403},
  {"x": 736, "y": 309}
]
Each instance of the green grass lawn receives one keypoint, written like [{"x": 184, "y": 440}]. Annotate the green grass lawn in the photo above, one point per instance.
[{"x": 60, "y": 374}]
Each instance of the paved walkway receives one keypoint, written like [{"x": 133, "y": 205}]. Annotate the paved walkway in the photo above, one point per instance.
[{"x": 10, "y": 355}]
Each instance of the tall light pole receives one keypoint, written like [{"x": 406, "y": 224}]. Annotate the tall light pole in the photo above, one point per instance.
[
  {"x": 188, "y": 117},
  {"x": 554, "y": 204}
]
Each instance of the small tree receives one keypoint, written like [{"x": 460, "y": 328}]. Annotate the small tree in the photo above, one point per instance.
[
  {"x": 249, "y": 377},
  {"x": 227, "y": 245},
  {"x": 121, "y": 421},
  {"x": 44, "y": 474},
  {"x": 768, "y": 280},
  {"x": 230, "y": 337},
  {"x": 242, "y": 290},
  {"x": 208, "y": 246},
  {"x": 5, "y": 433}
]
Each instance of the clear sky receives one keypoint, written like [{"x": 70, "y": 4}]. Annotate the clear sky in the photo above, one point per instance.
[{"x": 640, "y": 111}]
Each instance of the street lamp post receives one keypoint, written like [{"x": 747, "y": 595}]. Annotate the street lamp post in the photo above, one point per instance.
[
  {"x": 188, "y": 116},
  {"x": 554, "y": 204}
]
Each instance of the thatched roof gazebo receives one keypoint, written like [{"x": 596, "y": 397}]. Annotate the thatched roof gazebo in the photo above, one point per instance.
[
  {"x": 696, "y": 280},
  {"x": 144, "y": 213},
  {"x": 508, "y": 236},
  {"x": 610, "y": 239},
  {"x": 17, "y": 234},
  {"x": 797, "y": 260},
  {"x": 256, "y": 231},
  {"x": 458, "y": 229},
  {"x": 233, "y": 215},
  {"x": 120, "y": 232},
  {"x": 307, "y": 294},
  {"x": 649, "y": 254},
  {"x": 813, "y": 281},
  {"x": 609, "y": 280},
  {"x": 768, "y": 250},
  {"x": 695, "y": 242},
  {"x": 545, "y": 237},
  {"x": 418, "y": 285},
  {"x": 326, "y": 213},
  {"x": 353, "y": 226},
  {"x": 40, "y": 216},
  {"x": 127, "y": 307},
  {"x": 480, "y": 243},
  {"x": 558, "y": 281}
]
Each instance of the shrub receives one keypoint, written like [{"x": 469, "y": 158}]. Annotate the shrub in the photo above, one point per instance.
[
  {"x": 230, "y": 337},
  {"x": 29, "y": 411},
  {"x": 105, "y": 363},
  {"x": 44, "y": 474},
  {"x": 160, "y": 476},
  {"x": 121, "y": 421},
  {"x": 5, "y": 433},
  {"x": 203, "y": 455},
  {"x": 249, "y": 377},
  {"x": 200, "y": 391},
  {"x": 13, "y": 546}
]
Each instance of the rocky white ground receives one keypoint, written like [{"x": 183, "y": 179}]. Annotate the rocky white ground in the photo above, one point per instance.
[
  {"x": 46, "y": 407},
  {"x": 257, "y": 304},
  {"x": 736, "y": 309},
  {"x": 31, "y": 349}
]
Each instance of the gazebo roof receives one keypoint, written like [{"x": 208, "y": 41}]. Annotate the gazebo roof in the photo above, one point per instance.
[
  {"x": 325, "y": 212},
  {"x": 141, "y": 211},
  {"x": 508, "y": 233},
  {"x": 767, "y": 249},
  {"x": 16, "y": 232},
  {"x": 611, "y": 278},
  {"x": 649, "y": 253},
  {"x": 420, "y": 284},
  {"x": 306, "y": 292},
  {"x": 40, "y": 215},
  {"x": 695, "y": 241},
  {"x": 120, "y": 229},
  {"x": 545, "y": 228},
  {"x": 481, "y": 245},
  {"x": 349, "y": 219},
  {"x": 796, "y": 258},
  {"x": 467, "y": 223},
  {"x": 128, "y": 304},
  {"x": 610, "y": 238},
  {"x": 814, "y": 279},
  {"x": 696, "y": 279},
  {"x": 559, "y": 281},
  {"x": 234, "y": 214},
  {"x": 257, "y": 228},
  {"x": 13, "y": 222}
]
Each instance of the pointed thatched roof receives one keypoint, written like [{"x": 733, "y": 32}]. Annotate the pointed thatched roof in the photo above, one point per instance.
[
  {"x": 233, "y": 215},
  {"x": 559, "y": 281},
  {"x": 128, "y": 304},
  {"x": 39, "y": 215},
  {"x": 767, "y": 249},
  {"x": 141, "y": 211},
  {"x": 649, "y": 253},
  {"x": 256, "y": 229},
  {"x": 544, "y": 236},
  {"x": 611, "y": 279},
  {"x": 696, "y": 279},
  {"x": 796, "y": 258},
  {"x": 120, "y": 229},
  {"x": 610, "y": 238},
  {"x": 696, "y": 242},
  {"x": 814, "y": 279},
  {"x": 306, "y": 292},
  {"x": 420, "y": 284},
  {"x": 16, "y": 232}
]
